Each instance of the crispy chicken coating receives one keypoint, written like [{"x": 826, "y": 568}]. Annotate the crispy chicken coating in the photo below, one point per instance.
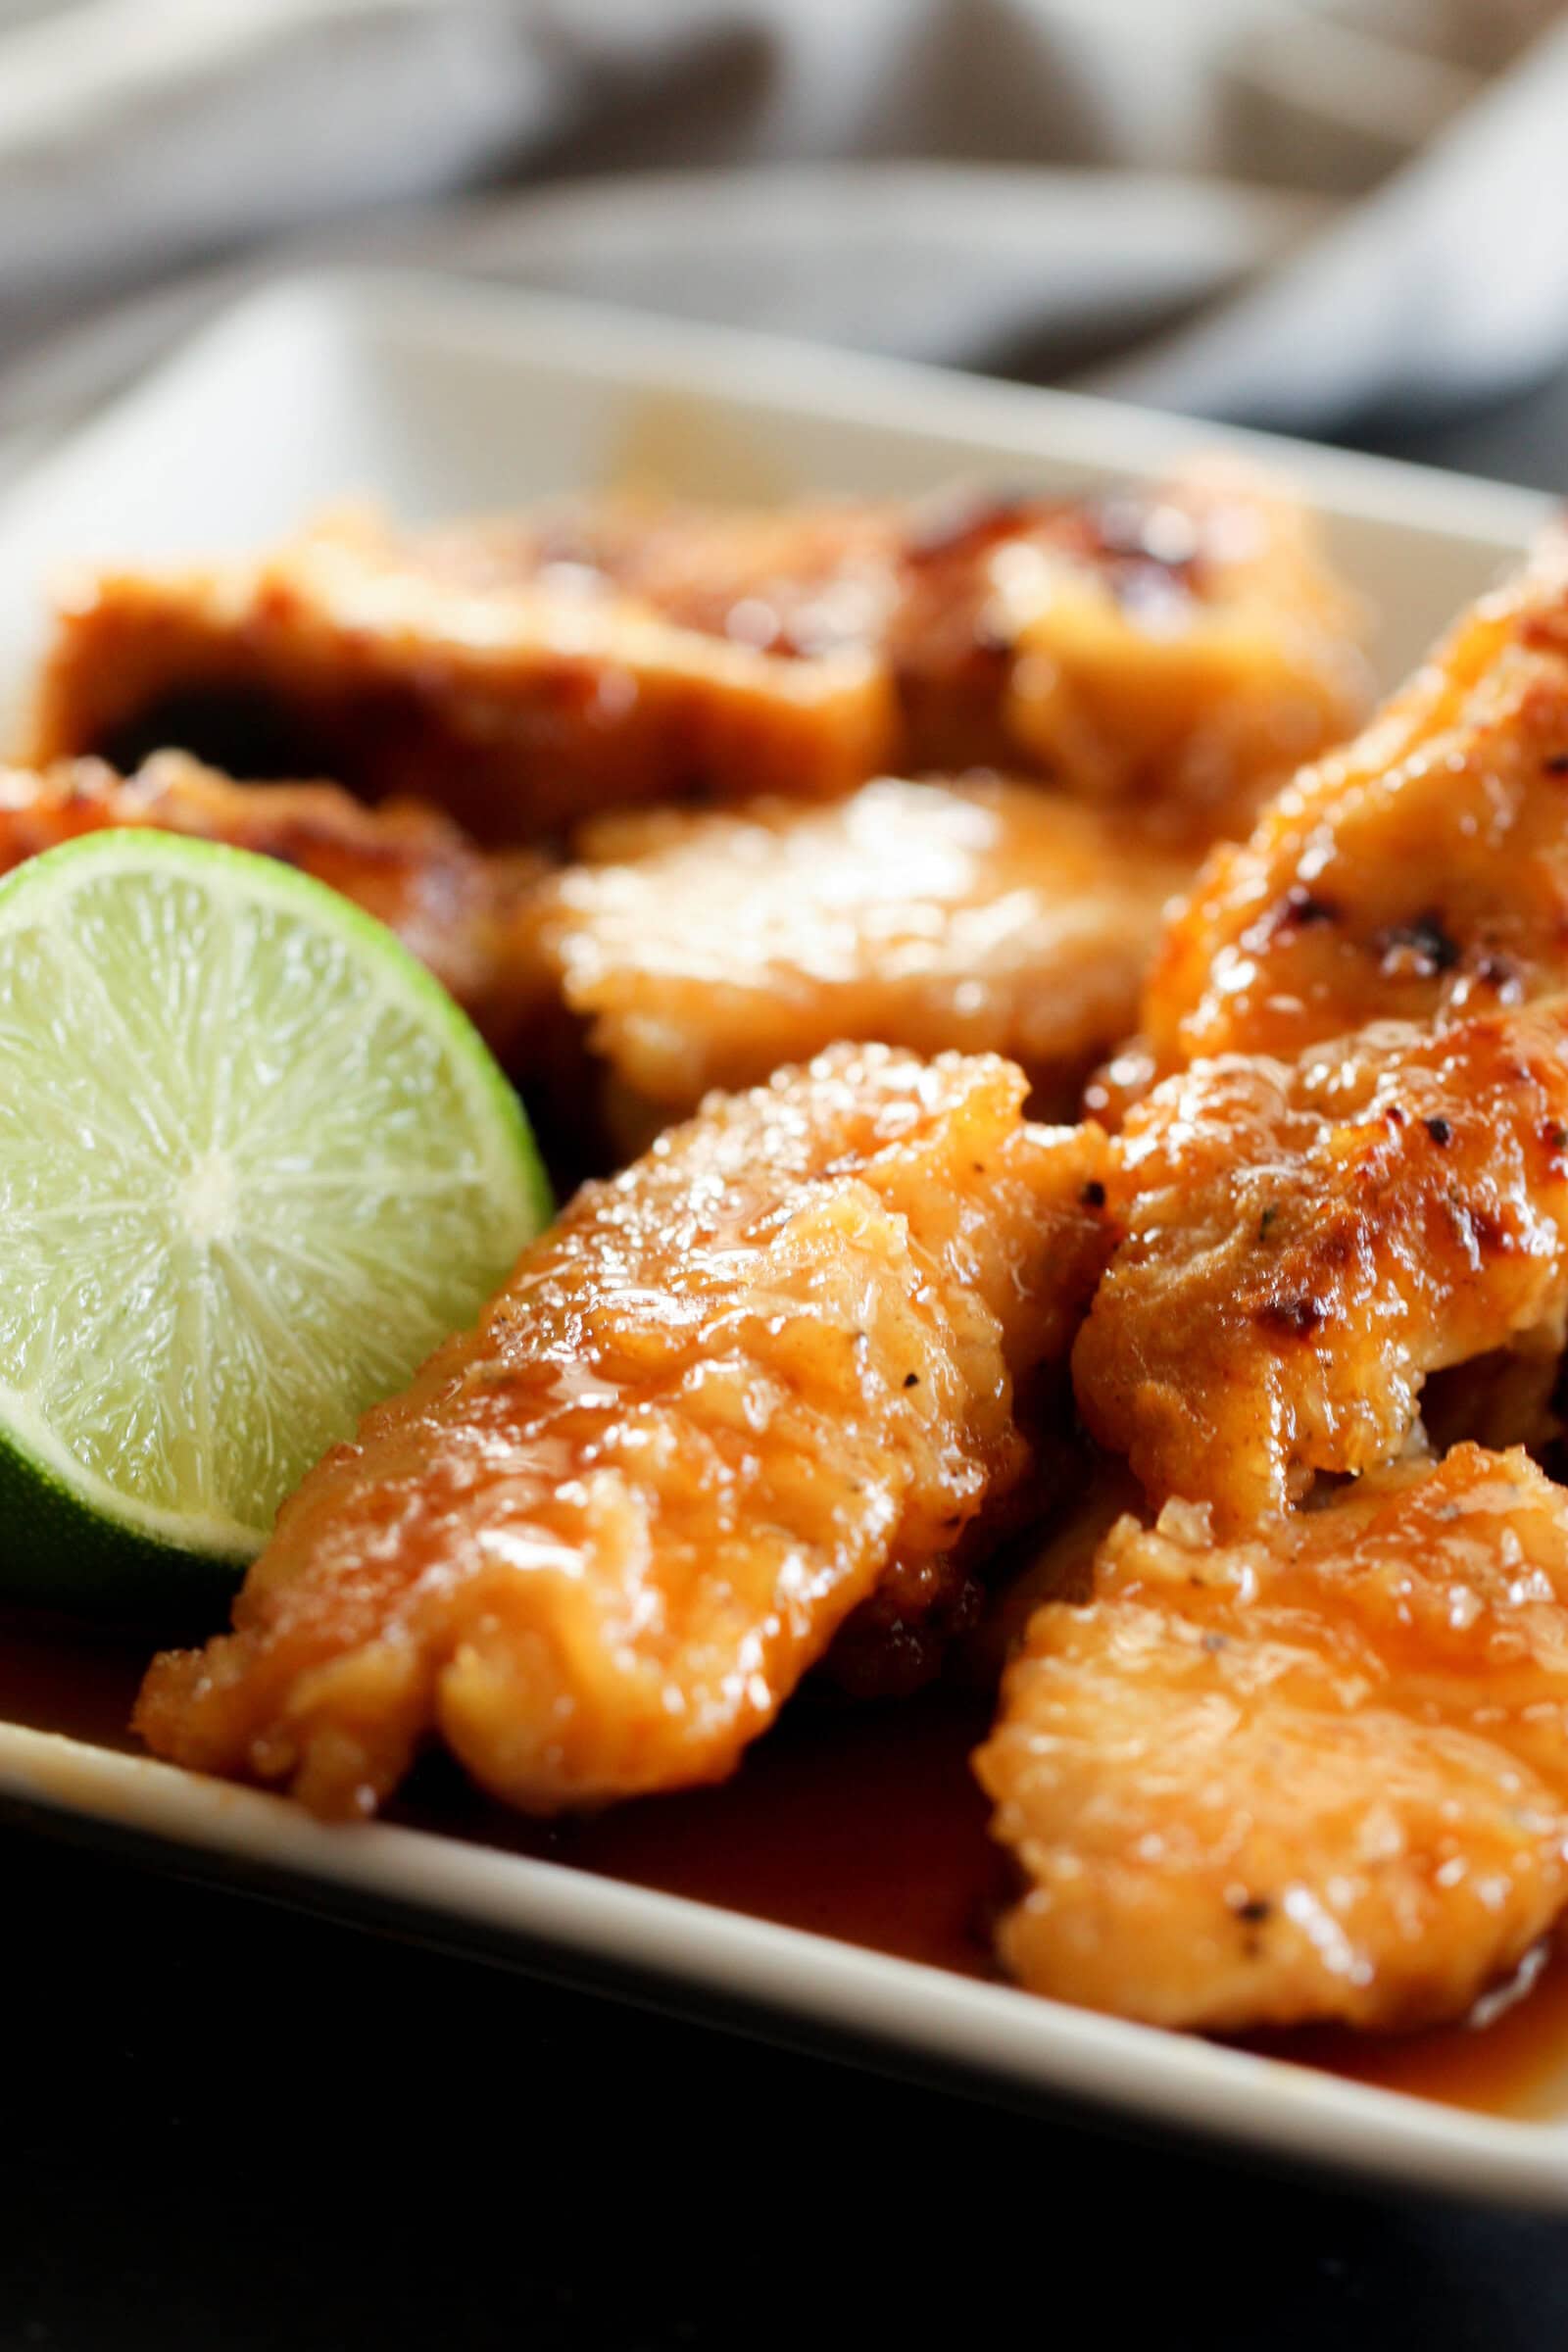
[
  {"x": 1319, "y": 1773},
  {"x": 733, "y": 1390},
  {"x": 1180, "y": 648},
  {"x": 1419, "y": 874},
  {"x": 1184, "y": 647},
  {"x": 705, "y": 948},
  {"x": 1304, "y": 1242},
  {"x": 518, "y": 699},
  {"x": 465, "y": 915}
]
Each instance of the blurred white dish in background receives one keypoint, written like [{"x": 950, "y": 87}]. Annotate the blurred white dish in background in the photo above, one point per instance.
[{"x": 1034, "y": 186}]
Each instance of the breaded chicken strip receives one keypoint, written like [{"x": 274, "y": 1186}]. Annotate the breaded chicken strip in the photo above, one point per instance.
[
  {"x": 1180, "y": 647},
  {"x": 468, "y": 915},
  {"x": 733, "y": 1391},
  {"x": 1304, "y": 1242},
  {"x": 518, "y": 699},
  {"x": 1183, "y": 648},
  {"x": 707, "y": 949},
  {"x": 1420, "y": 873},
  {"x": 1320, "y": 1773}
]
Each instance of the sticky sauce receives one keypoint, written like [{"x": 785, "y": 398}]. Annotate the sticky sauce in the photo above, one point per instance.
[
  {"x": 56, "y": 1678},
  {"x": 864, "y": 1823},
  {"x": 861, "y": 1824},
  {"x": 1515, "y": 2063}
]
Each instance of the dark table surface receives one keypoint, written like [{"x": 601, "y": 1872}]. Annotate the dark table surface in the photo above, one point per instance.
[
  {"x": 223, "y": 2126},
  {"x": 228, "y": 2127}
]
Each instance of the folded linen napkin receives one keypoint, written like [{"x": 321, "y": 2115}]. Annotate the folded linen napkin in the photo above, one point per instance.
[{"x": 1065, "y": 189}]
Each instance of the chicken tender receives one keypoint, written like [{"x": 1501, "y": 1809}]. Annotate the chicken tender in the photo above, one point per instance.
[
  {"x": 707, "y": 949},
  {"x": 518, "y": 700},
  {"x": 1304, "y": 1242},
  {"x": 1420, "y": 874},
  {"x": 1183, "y": 648},
  {"x": 1321, "y": 1773},
  {"x": 466, "y": 916},
  {"x": 729, "y": 1394}
]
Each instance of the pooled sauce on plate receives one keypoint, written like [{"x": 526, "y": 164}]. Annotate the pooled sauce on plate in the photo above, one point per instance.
[
  {"x": 60, "y": 1677},
  {"x": 859, "y": 1823}
]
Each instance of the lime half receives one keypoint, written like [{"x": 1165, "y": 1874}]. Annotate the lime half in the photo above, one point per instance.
[{"x": 254, "y": 1166}]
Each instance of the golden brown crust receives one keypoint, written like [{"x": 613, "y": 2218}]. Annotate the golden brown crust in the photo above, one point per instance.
[
  {"x": 1304, "y": 1242},
  {"x": 1181, "y": 648},
  {"x": 468, "y": 915},
  {"x": 518, "y": 708},
  {"x": 1421, "y": 873},
  {"x": 1320, "y": 1773},
  {"x": 1294, "y": 1764},
  {"x": 707, "y": 949},
  {"x": 601, "y": 1538}
]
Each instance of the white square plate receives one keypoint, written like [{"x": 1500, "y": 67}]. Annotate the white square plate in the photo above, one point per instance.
[{"x": 440, "y": 398}]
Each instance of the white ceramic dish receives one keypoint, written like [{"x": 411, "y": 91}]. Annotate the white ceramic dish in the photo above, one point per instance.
[{"x": 439, "y": 398}]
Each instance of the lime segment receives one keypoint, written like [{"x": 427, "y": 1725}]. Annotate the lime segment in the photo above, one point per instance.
[{"x": 254, "y": 1166}]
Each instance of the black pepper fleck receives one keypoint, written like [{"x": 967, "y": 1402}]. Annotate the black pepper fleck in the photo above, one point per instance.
[
  {"x": 1427, "y": 939},
  {"x": 1300, "y": 1317},
  {"x": 1302, "y": 908}
]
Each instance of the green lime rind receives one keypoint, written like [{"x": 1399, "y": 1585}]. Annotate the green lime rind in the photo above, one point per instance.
[
  {"x": 59, "y": 1551},
  {"x": 343, "y": 1067}
]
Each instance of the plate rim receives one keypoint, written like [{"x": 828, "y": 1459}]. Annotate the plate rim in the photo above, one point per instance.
[
  {"x": 987, "y": 2032},
  {"x": 991, "y": 2034},
  {"x": 620, "y": 344}
]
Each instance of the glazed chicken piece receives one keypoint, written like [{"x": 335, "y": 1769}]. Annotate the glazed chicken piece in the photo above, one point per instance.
[
  {"x": 1304, "y": 1242},
  {"x": 1419, "y": 874},
  {"x": 707, "y": 949},
  {"x": 466, "y": 915},
  {"x": 729, "y": 1395},
  {"x": 1180, "y": 649},
  {"x": 1183, "y": 648},
  {"x": 516, "y": 688},
  {"x": 1319, "y": 1773}
]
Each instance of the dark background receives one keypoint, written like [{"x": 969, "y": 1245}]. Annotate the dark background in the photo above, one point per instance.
[
  {"x": 230, "y": 2127},
  {"x": 223, "y": 2126}
]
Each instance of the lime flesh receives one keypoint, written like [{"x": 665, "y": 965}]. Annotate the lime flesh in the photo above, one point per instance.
[{"x": 254, "y": 1166}]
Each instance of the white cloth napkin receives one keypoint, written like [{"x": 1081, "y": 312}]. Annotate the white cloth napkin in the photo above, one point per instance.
[{"x": 1289, "y": 211}]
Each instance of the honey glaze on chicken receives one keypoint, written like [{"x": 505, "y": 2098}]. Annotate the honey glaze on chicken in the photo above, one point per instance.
[
  {"x": 1420, "y": 873},
  {"x": 723, "y": 1399},
  {"x": 1305, "y": 1243},
  {"x": 706, "y": 948},
  {"x": 465, "y": 912},
  {"x": 762, "y": 1408},
  {"x": 1297, "y": 1757},
  {"x": 1318, "y": 1773},
  {"x": 1179, "y": 649}
]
